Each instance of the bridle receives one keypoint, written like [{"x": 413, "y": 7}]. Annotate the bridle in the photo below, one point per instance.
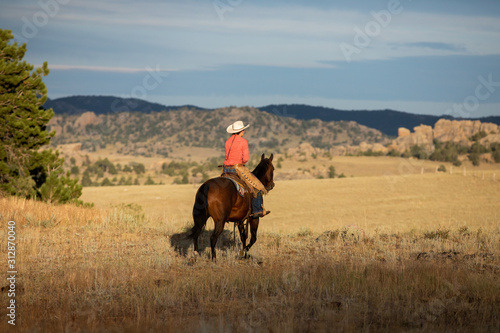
[{"x": 271, "y": 184}]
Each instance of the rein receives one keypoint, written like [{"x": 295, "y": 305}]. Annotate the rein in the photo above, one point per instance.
[{"x": 231, "y": 146}]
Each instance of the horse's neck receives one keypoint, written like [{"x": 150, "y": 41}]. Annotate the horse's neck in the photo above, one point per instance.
[{"x": 259, "y": 172}]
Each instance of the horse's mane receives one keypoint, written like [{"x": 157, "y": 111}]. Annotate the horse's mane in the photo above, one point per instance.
[{"x": 261, "y": 169}]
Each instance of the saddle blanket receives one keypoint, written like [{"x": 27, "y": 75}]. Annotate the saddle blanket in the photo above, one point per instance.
[{"x": 239, "y": 187}]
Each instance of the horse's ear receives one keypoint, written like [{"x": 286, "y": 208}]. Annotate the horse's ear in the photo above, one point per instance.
[
  {"x": 262, "y": 157},
  {"x": 271, "y": 158}
]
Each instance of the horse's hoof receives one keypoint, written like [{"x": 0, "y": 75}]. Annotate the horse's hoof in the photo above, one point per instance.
[{"x": 244, "y": 254}]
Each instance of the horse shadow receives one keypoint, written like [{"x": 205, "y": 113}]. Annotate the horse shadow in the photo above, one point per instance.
[{"x": 181, "y": 242}]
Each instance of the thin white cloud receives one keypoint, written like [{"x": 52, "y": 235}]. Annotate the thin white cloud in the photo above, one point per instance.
[
  {"x": 191, "y": 34},
  {"x": 290, "y": 20},
  {"x": 103, "y": 68}
]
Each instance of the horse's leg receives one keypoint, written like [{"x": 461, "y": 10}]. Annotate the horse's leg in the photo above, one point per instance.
[
  {"x": 254, "y": 225},
  {"x": 243, "y": 233},
  {"x": 218, "y": 229},
  {"x": 199, "y": 222}
]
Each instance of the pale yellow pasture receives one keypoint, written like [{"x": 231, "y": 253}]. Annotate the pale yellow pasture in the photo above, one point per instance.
[
  {"x": 397, "y": 203},
  {"x": 363, "y": 166},
  {"x": 388, "y": 203}
]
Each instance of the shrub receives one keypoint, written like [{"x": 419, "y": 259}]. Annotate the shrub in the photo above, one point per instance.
[
  {"x": 419, "y": 152},
  {"x": 478, "y": 136},
  {"x": 370, "y": 152},
  {"x": 75, "y": 170},
  {"x": 331, "y": 172},
  {"x": 478, "y": 148},
  {"x": 86, "y": 181},
  {"x": 177, "y": 168},
  {"x": 183, "y": 180},
  {"x": 495, "y": 152},
  {"x": 138, "y": 168},
  {"x": 106, "y": 182},
  {"x": 278, "y": 165},
  {"x": 438, "y": 234},
  {"x": 447, "y": 152},
  {"x": 105, "y": 166},
  {"x": 474, "y": 158},
  {"x": 304, "y": 232},
  {"x": 393, "y": 153},
  {"x": 122, "y": 181},
  {"x": 149, "y": 181}
]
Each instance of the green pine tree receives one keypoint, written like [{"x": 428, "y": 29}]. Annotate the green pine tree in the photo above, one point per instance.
[
  {"x": 25, "y": 169},
  {"x": 86, "y": 181}
]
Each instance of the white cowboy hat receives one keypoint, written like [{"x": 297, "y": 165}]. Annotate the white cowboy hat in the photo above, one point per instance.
[{"x": 236, "y": 127}]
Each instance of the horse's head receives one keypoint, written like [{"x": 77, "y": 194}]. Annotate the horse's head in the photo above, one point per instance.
[{"x": 265, "y": 172}]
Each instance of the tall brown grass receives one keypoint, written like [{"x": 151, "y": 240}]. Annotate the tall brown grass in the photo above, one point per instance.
[{"x": 120, "y": 269}]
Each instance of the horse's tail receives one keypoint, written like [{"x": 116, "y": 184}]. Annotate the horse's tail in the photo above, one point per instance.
[{"x": 200, "y": 211}]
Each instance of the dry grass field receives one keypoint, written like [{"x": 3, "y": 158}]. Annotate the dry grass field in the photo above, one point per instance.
[
  {"x": 387, "y": 193},
  {"x": 388, "y": 249}
]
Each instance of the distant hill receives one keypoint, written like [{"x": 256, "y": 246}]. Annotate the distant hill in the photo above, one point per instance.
[
  {"x": 156, "y": 133},
  {"x": 386, "y": 121},
  {"x": 107, "y": 104}
]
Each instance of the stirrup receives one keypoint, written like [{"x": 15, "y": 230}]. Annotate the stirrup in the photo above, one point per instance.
[{"x": 261, "y": 214}]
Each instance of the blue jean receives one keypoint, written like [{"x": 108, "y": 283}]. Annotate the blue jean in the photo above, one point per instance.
[
  {"x": 226, "y": 169},
  {"x": 257, "y": 203}
]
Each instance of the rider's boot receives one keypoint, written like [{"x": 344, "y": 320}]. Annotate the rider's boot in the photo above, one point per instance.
[{"x": 260, "y": 214}]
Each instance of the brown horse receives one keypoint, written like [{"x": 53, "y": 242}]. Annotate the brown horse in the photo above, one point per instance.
[{"x": 218, "y": 198}]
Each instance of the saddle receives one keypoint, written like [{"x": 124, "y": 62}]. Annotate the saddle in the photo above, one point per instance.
[
  {"x": 242, "y": 174},
  {"x": 240, "y": 186}
]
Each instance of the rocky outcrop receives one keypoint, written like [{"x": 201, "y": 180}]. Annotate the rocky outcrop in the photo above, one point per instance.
[
  {"x": 373, "y": 147},
  {"x": 403, "y": 132},
  {"x": 422, "y": 136},
  {"x": 458, "y": 131},
  {"x": 461, "y": 131},
  {"x": 304, "y": 149},
  {"x": 87, "y": 118},
  {"x": 444, "y": 130},
  {"x": 489, "y": 139}
]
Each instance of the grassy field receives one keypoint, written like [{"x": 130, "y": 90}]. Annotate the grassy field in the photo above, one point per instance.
[
  {"x": 390, "y": 202},
  {"x": 393, "y": 250}
]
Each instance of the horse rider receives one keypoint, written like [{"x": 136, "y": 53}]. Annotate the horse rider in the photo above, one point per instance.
[{"x": 237, "y": 155}]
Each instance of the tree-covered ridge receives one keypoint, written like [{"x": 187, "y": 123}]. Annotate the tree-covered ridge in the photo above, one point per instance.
[
  {"x": 386, "y": 121},
  {"x": 106, "y": 104},
  {"x": 154, "y": 133}
]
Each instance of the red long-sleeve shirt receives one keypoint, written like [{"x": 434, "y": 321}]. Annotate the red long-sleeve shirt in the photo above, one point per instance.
[{"x": 236, "y": 150}]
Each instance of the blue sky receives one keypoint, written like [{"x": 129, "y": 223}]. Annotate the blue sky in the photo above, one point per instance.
[{"x": 419, "y": 56}]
